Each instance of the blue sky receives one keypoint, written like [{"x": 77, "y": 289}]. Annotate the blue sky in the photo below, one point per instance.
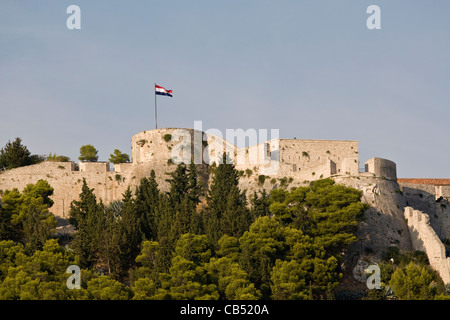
[{"x": 311, "y": 69}]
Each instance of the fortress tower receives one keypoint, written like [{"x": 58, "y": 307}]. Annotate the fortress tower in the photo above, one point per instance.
[{"x": 269, "y": 164}]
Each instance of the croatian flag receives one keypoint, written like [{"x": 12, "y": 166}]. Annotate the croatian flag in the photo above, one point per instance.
[{"x": 161, "y": 91}]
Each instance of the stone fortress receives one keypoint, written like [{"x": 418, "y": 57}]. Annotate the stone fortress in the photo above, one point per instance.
[{"x": 405, "y": 213}]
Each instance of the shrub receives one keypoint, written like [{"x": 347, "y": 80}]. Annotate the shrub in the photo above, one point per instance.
[
  {"x": 261, "y": 179},
  {"x": 167, "y": 137}
]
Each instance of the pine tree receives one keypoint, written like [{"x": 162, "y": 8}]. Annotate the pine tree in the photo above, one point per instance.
[
  {"x": 89, "y": 218},
  {"x": 178, "y": 185},
  {"x": 79, "y": 209},
  {"x": 183, "y": 198},
  {"x": 226, "y": 212},
  {"x": 195, "y": 190},
  {"x": 15, "y": 155},
  {"x": 26, "y": 217},
  {"x": 147, "y": 202},
  {"x": 237, "y": 218},
  {"x": 260, "y": 205},
  {"x": 129, "y": 226}
]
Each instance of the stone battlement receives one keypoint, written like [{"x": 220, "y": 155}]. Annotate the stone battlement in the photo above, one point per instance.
[
  {"x": 424, "y": 238},
  {"x": 285, "y": 162}
]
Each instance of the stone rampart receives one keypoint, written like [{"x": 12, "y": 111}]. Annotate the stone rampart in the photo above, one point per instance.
[
  {"x": 381, "y": 168},
  {"x": 424, "y": 238},
  {"x": 271, "y": 164},
  {"x": 67, "y": 182}
]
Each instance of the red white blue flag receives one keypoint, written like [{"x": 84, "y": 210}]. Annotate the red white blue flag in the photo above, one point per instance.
[{"x": 161, "y": 91}]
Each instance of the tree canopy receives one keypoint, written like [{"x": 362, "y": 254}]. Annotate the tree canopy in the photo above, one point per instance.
[
  {"x": 283, "y": 245},
  {"x": 88, "y": 153},
  {"x": 118, "y": 157},
  {"x": 15, "y": 154}
]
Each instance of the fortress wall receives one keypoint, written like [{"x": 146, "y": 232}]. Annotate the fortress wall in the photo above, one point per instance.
[
  {"x": 150, "y": 146},
  {"x": 432, "y": 188},
  {"x": 299, "y": 156},
  {"x": 67, "y": 184},
  {"x": 262, "y": 159},
  {"x": 423, "y": 197},
  {"x": 93, "y": 166},
  {"x": 382, "y": 168},
  {"x": 182, "y": 144},
  {"x": 300, "y": 159},
  {"x": 424, "y": 238}
]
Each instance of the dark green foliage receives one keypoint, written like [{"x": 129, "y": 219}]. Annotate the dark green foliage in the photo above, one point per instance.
[
  {"x": 260, "y": 204},
  {"x": 55, "y": 158},
  {"x": 118, "y": 157},
  {"x": 15, "y": 155},
  {"x": 154, "y": 245},
  {"x": 227, "y": 211},
  {"x": 147, "y": 202},
  {"x": 89, "y": 218},
  {"x": 167, "y": 137},
  {"x": 326, "y": 211},
  {"x": 88, "y": 153},
  {"x": 25, "y": 217}
]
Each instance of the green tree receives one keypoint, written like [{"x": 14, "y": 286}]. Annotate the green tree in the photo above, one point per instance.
[
  {"x": 326, "y": 211},
  {"x": 415, "y": 282},
  {"x": 184, "y": 195},
  {"x": 260, "y": 247},
  {"x": 129, "y": 225},
  {"x": 88, "y": 153},
  {"x": 289, "y": 281},
  {"x": 37, "y": 276},
  {"x": 88, "y": 217},
  {"x": 260, "y": 204},
  {"x": 227, "y": 212},
  {"x": 285, "y": 263},
  {"x": 15, "y": 155},
  {"x": 187, "y": 277},
  {"x": 231, "y": 281},
  {"x": 146, "y": 289},
  {"x": 6, "y": 228},
  {"x": 147, "y": 204},
  {"x": 152, "y": 261},
  {"x": 195, "y": 248},
  {"x": 236, "y": 218},
  {"x": 118, "y": 157},
  {"x": 121, "y": 238},
  {"x": 26, "y": 217},
  {"x": 55, "y": 158},
  {"x": 105, "y": 288},
  {"x": 195, "y": 190},
  {"x": 178, "y": 185}
]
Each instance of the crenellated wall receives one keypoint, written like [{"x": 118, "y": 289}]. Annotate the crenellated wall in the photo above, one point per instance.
[
  {"x": 281, "y": 162},
  {"x": 424, "y": 238}
]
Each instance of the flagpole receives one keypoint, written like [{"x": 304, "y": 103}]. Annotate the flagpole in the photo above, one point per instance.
[{"x": 156, "y": 114}]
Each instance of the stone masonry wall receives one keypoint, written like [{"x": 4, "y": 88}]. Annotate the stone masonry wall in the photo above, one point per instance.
[
  {"x": 424, "y": 238},
  {"x": 382, "y": 168},
  {"x": 300, "y": 161},
  {"x": 66, "y": 182},
  {"x": 424, "y": 197}
]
